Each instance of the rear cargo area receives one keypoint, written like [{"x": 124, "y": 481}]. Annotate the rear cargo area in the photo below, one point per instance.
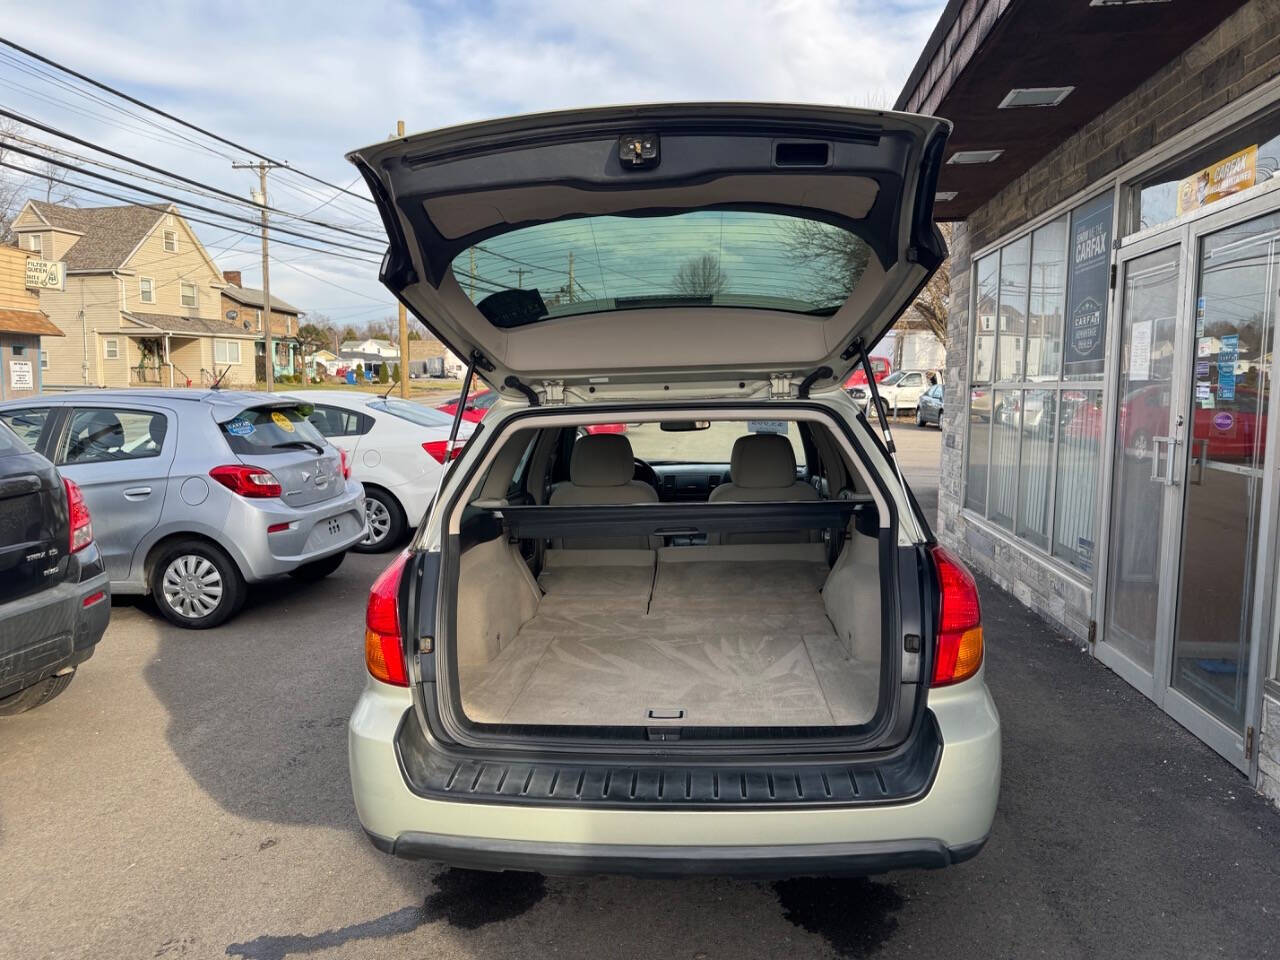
[{"x": 757, "y": 634}]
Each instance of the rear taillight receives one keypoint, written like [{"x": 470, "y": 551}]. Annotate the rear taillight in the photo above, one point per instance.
[
  {"x": 78, "y": 513},
  {"x": 346, "y": 467},
  {"x": 383, "y": 654},
  {"x": 252, "y": 482},
  {"x": 437, "y": 449},
  {"x": 959, "y": 650}
]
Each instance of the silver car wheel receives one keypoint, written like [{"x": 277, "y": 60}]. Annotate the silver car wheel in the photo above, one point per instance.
[
  {"x": 192, "y": 585},
  {"x": 379, "y": 518}
]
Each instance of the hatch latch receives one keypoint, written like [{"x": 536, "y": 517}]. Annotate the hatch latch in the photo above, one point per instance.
[
  {"x": 553, "y": 391},
  {"x": 780, "y": 386}
]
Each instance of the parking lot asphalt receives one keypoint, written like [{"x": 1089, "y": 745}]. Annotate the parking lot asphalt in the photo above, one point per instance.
[{"x": 188, "y": 797}]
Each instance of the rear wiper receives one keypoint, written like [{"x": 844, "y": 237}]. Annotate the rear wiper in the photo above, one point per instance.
[{"x": 309, "y": 444}]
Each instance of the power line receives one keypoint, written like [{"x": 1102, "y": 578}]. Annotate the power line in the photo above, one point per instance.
[
  {"x": 162, "y": 209},
  {"x": 172, "y": 199},
  {"x": 168, "y": 173},
  {"x": 168, "y": 116}
]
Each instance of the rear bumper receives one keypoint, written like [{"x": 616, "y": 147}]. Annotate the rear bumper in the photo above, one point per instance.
[
  {"x": 307, "y": 537},
  {"x": 755, "y": 861},
  {"x": 949, "y": 823},
  {"x": 50, "y": 631}
]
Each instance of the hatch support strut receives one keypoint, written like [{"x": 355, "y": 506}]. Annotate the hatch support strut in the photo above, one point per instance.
[{"x": 859, "y": 348}]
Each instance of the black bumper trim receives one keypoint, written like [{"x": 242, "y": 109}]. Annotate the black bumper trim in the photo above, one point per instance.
[
  {"x": 855, "y": 781},
  {"x": 778, "y": 860}
]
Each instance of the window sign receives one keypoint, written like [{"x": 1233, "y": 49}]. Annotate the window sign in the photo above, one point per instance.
[
  {"x": 1229, "y": 175},
  {"x": 1087, "y": 284},
  {"x": 1228, "y": 353}
]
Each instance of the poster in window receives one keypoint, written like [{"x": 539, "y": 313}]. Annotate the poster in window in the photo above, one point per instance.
[
  {"x": 1229, "y": 175},
  {"x": 1087, "y": 284}
]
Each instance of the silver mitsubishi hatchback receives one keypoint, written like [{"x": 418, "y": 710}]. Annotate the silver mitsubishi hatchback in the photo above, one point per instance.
[{"x": 195, "y": 493}]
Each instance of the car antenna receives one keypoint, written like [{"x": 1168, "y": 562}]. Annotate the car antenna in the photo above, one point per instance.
[{"x": 389, "y": 389}]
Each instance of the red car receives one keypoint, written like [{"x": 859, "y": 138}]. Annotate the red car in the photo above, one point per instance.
[
  {"x": 880, "y": 368},
  {"x": 478, "y": 405}
]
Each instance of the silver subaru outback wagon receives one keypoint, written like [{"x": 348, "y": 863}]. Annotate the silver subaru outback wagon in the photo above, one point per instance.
[{"x": 195, "y": 493}]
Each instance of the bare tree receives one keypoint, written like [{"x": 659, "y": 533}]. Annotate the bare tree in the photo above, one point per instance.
[
  {"x": 700, "y": 277},
  {"x": 54, "y": 181},
  {"x": 12, "y": 186},
  {"x": 838, "y": 258},
  {"x": 933, "y": 305}
]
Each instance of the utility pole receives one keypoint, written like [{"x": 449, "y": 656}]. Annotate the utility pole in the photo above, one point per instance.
[
  {"x": 473, "y": 274},
  {"x": 572, "y": 298},
  {"x": 269, "y": 360},
  {"x": 519, "y": 272},
  {"x": 404, "y": 321}
]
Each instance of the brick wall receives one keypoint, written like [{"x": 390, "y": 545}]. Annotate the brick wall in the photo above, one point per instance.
[{"x": 1241, "y": 54}]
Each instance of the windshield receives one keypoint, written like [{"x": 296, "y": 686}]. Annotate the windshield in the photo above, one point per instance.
[
  {"x": 413, "y": 412},
  {"x": 714, "y": 444},
  {"x": 891, "y": 379},
  {"x": 266, "y": 430},
  {"x": 702, "y": 258}
]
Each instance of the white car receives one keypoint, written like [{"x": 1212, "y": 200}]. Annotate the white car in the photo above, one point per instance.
[
  {"x": 724, "y": 641},
  {"x": 900, "y": 392},
  {"x": 395, "y": 447}
]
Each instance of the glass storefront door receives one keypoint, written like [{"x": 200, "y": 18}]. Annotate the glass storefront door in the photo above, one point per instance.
[
  {"x": 1148, "y": 435},
  {"x": 1187, "y": 590},
  {"x": 1234, "y": 314}
]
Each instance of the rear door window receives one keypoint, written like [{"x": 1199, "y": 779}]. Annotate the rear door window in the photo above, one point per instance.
[
  {"x": 28, "y": 423},
  {"x": 261, "y": 430},
  {"x": 103, "y": 434},
  {"x": 339, "y": 422}
]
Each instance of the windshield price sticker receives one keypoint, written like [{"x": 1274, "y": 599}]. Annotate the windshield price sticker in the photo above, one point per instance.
[
  {"x": 240, "y": 427},
  {"x": 281, "y": 421},
  {"x": 767, "y": 426}
]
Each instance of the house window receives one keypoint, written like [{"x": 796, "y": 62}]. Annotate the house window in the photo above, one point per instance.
[
  {"x": 189, "y": 295},
  {"x": 146, "y": 290},
  {"x": 259, "y": 312},
  {"x": 35, "y": 245},
  {"x": 226, "y": 352},
  {"x": 1035, "y": 384},
  {"x": 44, "y": 360},
  {"x": 171, "y": 241},
  {"x": 111, "y": 348}
]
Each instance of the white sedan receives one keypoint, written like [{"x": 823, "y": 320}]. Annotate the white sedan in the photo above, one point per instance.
[{"x": 396, "y": 448}]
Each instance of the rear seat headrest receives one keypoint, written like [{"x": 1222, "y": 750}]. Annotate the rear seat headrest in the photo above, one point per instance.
[
  {"x": 601, "y": 460},
  {"x": 762, "y": 460}
]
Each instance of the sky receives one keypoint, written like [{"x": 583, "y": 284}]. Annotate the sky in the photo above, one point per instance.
[{"x": 307, "y": 82}]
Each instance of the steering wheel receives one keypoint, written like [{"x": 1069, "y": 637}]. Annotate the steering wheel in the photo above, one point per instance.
[{"x": 646, "y": 473}]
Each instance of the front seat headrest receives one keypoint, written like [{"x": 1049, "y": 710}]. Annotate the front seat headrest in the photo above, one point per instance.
[
  {"x": 601, "y": 460},
  {"x": 762, "y": 460},
  {"x": 100, "y": 430}
]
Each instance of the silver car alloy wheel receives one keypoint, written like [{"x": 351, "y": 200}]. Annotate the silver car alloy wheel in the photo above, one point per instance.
[
  {"x": 192, "y": 585},
  {"x": 379, "y": 518}
]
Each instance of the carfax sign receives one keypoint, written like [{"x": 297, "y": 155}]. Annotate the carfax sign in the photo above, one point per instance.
[{"x": 1087, "y": 282}]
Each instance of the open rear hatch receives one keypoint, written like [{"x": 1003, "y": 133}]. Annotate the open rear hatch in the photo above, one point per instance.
[{"x": 707, "y": 244}]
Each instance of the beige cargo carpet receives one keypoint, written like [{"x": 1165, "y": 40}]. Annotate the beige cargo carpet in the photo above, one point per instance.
[{"x": 728, "y": 643}]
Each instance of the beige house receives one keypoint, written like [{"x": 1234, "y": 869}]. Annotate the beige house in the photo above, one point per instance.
[
  {"x": 245, "y": 305},
  {"x": 22, "y": 325},
  {"x": 142, "y": 304}
]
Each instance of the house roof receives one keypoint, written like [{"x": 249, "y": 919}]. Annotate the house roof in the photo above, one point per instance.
[
  {"x": 28, "y": 321},
  {"x": 109, "y": 234},
  {"x": 352, "y": 344},
  {"x": 251, "y": 297},
  {"x": 190, "y": 326}
]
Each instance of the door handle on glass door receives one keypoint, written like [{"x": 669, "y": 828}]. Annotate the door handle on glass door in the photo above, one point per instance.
[
  {"x": 137, "y": 493},
  {"x": 1167, "y": 479}
]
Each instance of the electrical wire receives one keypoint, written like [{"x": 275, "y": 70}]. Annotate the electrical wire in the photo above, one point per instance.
[{"x": 169, "y": 116}]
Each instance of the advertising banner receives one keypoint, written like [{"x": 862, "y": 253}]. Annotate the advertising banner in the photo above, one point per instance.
[
  {"x": 1229, "y": 175},
  {"x": 1088, "y": 279}
]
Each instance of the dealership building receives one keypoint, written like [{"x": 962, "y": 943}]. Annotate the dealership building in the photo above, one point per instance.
[{"x": 1110, "y": 453}]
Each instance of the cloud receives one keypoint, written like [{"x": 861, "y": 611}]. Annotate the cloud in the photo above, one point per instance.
[{"x": 308, "y": 82}]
